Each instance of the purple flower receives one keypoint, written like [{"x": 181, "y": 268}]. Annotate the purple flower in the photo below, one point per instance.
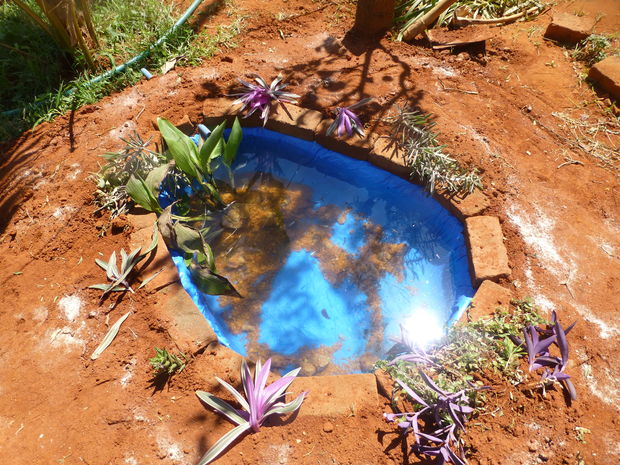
[
  {"x": 260, "y": 97},
  {"x": 347, "y": 121}
]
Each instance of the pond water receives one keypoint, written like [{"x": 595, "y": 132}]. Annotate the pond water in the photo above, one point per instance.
[{"x": 331, "y": 255}]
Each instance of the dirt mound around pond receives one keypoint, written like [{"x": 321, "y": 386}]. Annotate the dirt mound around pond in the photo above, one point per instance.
[{"x": 519, "y": 112}]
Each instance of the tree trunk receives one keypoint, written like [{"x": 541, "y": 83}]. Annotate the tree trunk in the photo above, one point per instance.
[{"x": 374, "y": 17}]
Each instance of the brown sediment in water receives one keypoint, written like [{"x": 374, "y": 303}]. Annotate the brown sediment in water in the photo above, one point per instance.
[{"x": 269, "y": 220}]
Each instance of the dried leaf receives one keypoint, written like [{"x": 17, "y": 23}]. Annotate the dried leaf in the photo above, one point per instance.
[
  {"x": 169, "y": 65},
  {"x": 109, "y": 337},
  {"x": 150, "y": 278}
]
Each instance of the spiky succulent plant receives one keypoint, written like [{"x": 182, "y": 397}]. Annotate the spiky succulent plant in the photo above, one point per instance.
[{"x": 165, "y": 363}]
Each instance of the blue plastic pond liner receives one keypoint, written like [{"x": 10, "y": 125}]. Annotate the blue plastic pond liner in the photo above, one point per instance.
[{"x": 303, "y": 309}]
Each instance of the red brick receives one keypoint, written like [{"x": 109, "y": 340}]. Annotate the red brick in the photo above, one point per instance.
[
  {"x": 489, "y": 297},
  {"x": 335, "y": 395},
  {"x": 488, "y": 256},
  {"x": 216, "y": 110},
  {"x": 188, "y": 327},
  {"x": 303, "y": 124},
  {"x": 353, "y": 146},
  {"x": 388, "y": 157},
  {"x": 569, "y": 28},
  {"x": 606, "y": 75},
  {"x": 473, "y": 204}
]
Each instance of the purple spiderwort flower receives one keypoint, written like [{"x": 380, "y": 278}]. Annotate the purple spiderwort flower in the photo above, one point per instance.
[
  {"x": 260, "y": 97},
  {"x": 347, "y": 121}
]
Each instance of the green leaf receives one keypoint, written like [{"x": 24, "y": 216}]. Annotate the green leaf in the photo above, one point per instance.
[
  {"x": 109, "y": 337},
  {"x": 188, "y": 239},
  {"x": 106, "y": 287},
  {"x": 223, "y": 443},
  {"x": 140, "y": 193},
  {"x": 221, "y": 406},
  {"x": 153, "y": 245},
  {"x": 232, "y": 145},
  {"x": 212, "y": 283},
  {"x": 155, "y": 178},
  {"x": 182, "y": 148},
  {"x": 209, "y": 259},
  {"x": 208, "y": 146},
  {"x": 282, "y": 409}
]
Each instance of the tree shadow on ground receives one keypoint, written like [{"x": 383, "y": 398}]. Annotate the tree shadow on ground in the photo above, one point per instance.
[{"x": 16, "y": 160}]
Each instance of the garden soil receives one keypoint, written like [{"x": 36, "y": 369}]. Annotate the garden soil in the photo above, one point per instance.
[{"x": 517, "y": 109}]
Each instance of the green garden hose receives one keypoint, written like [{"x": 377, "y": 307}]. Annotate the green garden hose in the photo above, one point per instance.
[{"x": 124, "y": 66}]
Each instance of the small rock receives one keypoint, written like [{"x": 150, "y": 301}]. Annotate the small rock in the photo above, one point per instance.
[
  {"x": 569, "y": 28},
  {"x": 308, "y": 368},
  {"x": 328, "y": 427},
  {"x": 235, "y": 216}
]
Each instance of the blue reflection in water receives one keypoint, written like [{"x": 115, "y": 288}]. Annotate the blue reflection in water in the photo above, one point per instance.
[{"x": 304, "y": 310}]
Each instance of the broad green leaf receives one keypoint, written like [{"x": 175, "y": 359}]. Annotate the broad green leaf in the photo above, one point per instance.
[
  {"x": 209, "y": 259},
  {"x": 212, "y": 283},
  {"x": 182, "y": 148},
  {"x": 221, "y": 406},
  {"x": 282, "y": 409},
  {"x": 187, "y": 239},
  {"x": 153, "y": 245},
  {"x": 155, "y": 177},
  {"x": 219, "y": 149},
  {"x": 244, "y": 403},
  {"x": 232, "y": 145},
  {"x": 223, "y": 443},
  {"x": 140, "y": 193},
  {"x": 105, "y": 287},
  {"x": 109, "y": 337},
  {"x": 208, "y": 146}
]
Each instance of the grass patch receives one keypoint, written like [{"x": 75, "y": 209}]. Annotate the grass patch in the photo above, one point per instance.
[
  {"x": 49, "y": 83},
  {"x": 592, "y": 49}
]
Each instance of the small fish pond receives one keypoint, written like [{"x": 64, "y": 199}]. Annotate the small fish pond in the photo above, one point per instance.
[{"x": 331, "y": 255}]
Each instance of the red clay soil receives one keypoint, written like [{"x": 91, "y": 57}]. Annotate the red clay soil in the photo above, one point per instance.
[{"x": 494, "y": 109}]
